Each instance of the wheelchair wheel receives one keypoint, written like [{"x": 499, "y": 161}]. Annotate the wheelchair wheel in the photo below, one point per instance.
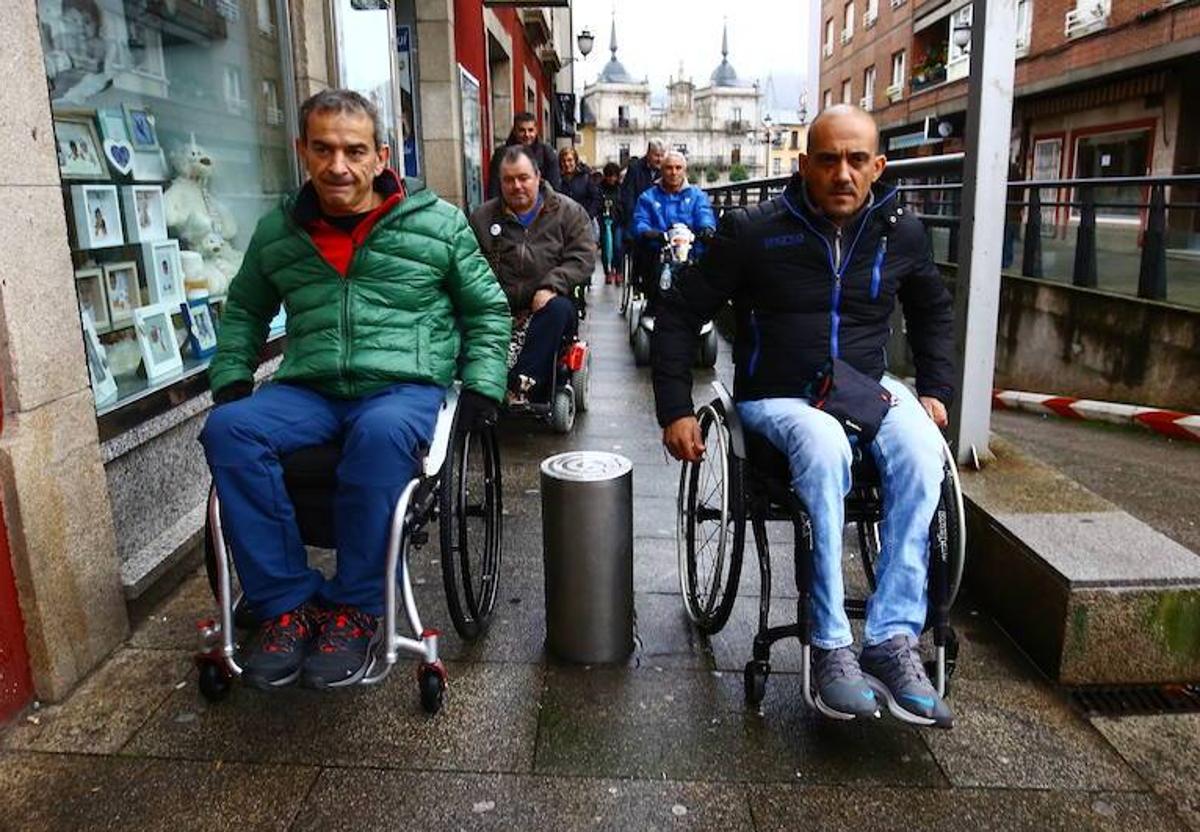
[
  {"x": 636, "y": 307},
  {"x": 470, "y": 530},
  {"x": 711, "y": 529},
  {"x": 581, "y": 382},
  {"x": 626, "y": 290},
  {"x": 641, "y": 347},
  {"x": 562, "y": 410}
]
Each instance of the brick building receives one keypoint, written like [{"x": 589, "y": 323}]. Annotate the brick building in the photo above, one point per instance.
[{"x": 1099, "y": 88}]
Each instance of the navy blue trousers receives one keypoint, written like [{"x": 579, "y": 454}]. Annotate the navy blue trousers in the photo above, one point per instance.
[
  {"x": 549, "y": 328},
  {"x": 381, "y": 437}
]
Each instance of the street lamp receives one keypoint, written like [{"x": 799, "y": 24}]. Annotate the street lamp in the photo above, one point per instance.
[
  {"x": 962, "y": 38},
  {"x": 585, "y": 41}
]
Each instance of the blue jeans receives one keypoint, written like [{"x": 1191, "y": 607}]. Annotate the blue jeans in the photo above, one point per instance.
[
  {"x": 907, "y": 450},
  {"x": 381, "y": 436}
]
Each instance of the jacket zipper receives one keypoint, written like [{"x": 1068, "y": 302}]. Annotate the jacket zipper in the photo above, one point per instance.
[
  {"x": 877, "y": 268},
  {"x": 837, "y": 266},
  {"x": 754, "y": 353}
]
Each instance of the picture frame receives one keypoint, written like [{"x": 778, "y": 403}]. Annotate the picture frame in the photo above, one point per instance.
[
  {"x": 201, "y": 327},
  {"x": 104, "y": 385},
  {"x": 145, "y": 213},
  {"x": 140, "y": 123},
  {"x": 122, "y": 291},
  {"x": 114, "y": 140},
  {"x": 93, "y": 299},
  {"x": 164, "y": 272},
  {"x": 79, "y": 149},
  {"x": 97, "y": 214},
  {"x": 156, "y": 338}
]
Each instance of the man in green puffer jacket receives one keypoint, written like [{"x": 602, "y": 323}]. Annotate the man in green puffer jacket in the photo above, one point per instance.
[{"x": 385, "y": 292}]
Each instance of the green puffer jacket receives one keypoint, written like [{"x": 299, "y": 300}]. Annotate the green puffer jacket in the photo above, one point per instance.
[{"x": 417, "y": 295}]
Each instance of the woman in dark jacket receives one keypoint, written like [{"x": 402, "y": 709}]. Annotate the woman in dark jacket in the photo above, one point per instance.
[{"x": 576, "y": 181}]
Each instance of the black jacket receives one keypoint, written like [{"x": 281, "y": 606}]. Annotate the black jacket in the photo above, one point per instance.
[
  {"x": 583, "y": 190},
  {"x": 547, "y": 161},
  {"x": 777, "y": 262},
  {"x": 638, "y": 177}
]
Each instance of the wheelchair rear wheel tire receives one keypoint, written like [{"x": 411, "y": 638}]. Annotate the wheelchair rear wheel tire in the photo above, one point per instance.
[
  {"x": 641, "y": 347},
  {"x": 581, "y": 382},
  {"x": 711, "y": 532},
  {"x": 562, "y": 410},
  {"x": 708, "y": 350},
  {"x": 470, "y": 531}
]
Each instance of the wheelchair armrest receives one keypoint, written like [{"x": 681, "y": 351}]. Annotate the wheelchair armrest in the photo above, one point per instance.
[
  {"x": 733, "y": 422},
  {"x": 442, "y": 431}
]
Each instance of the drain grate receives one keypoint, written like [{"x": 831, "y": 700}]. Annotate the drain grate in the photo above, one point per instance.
[{"x": 1136, "y": 699}]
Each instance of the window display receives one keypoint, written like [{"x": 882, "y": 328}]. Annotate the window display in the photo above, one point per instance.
[{"x": 168, "y": 162}]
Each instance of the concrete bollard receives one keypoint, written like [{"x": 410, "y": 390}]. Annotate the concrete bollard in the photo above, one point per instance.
[{"x": 587, "y": 549}]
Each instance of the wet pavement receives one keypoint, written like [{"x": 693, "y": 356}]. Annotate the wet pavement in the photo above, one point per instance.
[{"x": 663, "y": 741}]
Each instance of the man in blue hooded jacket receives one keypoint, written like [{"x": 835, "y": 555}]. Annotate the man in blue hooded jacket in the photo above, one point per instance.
[{"x": 671, "y": 201}]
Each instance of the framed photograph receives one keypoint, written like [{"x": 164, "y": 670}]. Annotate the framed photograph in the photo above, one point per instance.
[
  {"x": 143, "y": 133},
  {"x": 201, "y": 327},
  {"x": 164, "y": 272},
  {"x": 123, "y": 292},
  {"x": 156, "y": 337},
  {"x": 93, "y": 300},
  {"x": 104, "y": 386},
  {"x": 145, "y": 215},
  {"x": 97, "y": 216},
  {"x": 79, "y": 151}
]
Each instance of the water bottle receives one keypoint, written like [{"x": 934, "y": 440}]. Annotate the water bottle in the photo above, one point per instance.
[{"x": 664, "y": 279}]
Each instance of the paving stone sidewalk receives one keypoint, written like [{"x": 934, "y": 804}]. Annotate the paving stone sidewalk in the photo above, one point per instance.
[{"x": 662, "y": 742}]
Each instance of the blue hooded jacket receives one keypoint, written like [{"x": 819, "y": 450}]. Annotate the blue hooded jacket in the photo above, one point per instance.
[{"x": 658, "y": 210}]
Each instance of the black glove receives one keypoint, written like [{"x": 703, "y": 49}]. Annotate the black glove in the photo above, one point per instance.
[
  {"x": 232, "y": 392},
  {"x": 706, "y": 234},
  {"x": 476, "y": 410}
]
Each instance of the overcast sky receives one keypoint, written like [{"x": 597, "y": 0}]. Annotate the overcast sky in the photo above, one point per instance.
[{"x": 766, "y": 37}]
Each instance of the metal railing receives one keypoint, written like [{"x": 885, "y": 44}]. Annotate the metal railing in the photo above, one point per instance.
[{"x": 1076, "y": 230}]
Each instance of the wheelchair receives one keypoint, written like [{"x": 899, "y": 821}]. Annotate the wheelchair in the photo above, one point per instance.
[
  {"x": 675, "y": 252},
  {"x": 742, "y": 476},
  {"x": 570, "y": 379},
  {"x": 458, "y": 485}
]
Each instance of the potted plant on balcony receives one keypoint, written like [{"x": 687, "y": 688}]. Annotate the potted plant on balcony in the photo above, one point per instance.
[{"x": 932, "y": 68}]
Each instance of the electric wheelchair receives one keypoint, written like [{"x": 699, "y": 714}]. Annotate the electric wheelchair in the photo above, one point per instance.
[
  {"x": 458, "y": 484},
  {"x": 570, "y": 379},
  {"x": 743, "y": 477}
]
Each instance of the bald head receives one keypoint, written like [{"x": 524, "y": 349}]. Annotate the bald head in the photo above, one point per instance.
[{"x": 841, "y": 163}]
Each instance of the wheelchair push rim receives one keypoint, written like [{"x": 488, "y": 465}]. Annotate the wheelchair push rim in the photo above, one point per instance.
[
  {"x": 710, "y": 529},
  {"x": 470, "y": 532}
]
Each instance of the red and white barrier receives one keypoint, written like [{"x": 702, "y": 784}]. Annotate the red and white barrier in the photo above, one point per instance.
[{"x": 1167, "y": 422}]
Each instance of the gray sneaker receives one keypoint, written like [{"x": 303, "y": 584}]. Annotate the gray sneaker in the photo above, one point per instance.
[
  {"x": 842, "y": 692},
  {"x": 910, "y": 696}
]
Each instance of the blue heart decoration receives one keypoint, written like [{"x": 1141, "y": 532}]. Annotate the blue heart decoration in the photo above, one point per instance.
[{"x": 120, "y": 155}]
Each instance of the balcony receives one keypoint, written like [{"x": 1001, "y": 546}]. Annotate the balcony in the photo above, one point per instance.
[
  {"x": 548, "y": 56},
  {"x": 959, "y": 67},
  {"x": 867, "y": 102},
  {"x": 895, "y": 4},
  {"x": 736, "y": 125},
  {"x": 895, "y": 92},
  {"x": 1087, "y": 18},
  {"x": 538, "y": 28},
  {"x": 847, "y": 34},
  {"x": 625, "y": 125},
  {"x": 869, "y": 18}
]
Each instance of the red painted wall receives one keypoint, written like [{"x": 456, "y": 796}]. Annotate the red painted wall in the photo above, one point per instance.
[{"x": 16, "y": 686}]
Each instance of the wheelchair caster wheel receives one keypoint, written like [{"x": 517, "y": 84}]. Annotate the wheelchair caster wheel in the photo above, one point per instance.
[
  {"x": 432, "y": 681},
  {"x": 754, "y": 680},
  {"x": 214, "y": 681}
]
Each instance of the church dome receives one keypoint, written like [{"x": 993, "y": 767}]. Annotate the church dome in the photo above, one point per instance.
[
  {"x": 614, "y": 71},
  {"x": 725, "y": 75}
]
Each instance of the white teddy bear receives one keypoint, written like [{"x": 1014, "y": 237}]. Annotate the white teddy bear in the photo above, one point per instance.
[{"x": 198, "y": 218}]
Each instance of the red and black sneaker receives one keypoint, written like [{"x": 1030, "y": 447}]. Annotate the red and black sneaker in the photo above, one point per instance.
[
  {"x": 283, "y": 644},
  {"x": 343, "y": 650}
]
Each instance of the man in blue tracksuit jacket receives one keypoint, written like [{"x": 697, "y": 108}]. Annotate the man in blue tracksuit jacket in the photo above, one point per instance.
[{"x": 671, "y": 201}]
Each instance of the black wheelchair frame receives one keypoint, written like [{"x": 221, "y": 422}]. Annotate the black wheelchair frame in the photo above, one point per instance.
[
  {"x": 754, "y": 484},
  {"x": 458, "y": 485}
]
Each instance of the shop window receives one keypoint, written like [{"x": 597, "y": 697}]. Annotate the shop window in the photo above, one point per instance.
[{"x": 167, "y": 164}]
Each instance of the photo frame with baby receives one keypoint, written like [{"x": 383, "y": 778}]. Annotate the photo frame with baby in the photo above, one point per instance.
[
  {"x": 104, "y": 385},
  {"x": 89, "y": 288},
  {"x": 123, "y": 292},
  {"x": 201, "y": 327},
  {"x": 164, "y": 272},
  {"x": 79, "y": 150},
  {"x": 145, "y": 213},
  {"x": 156, "y": 338},
  {"x": 97, "y": 213}
]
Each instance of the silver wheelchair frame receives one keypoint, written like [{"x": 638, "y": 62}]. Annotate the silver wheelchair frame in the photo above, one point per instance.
[
  {"x": 417, "y": 505},
  {"x": 744, "y": 495}
]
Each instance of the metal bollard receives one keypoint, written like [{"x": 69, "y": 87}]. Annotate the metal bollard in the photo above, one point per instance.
[{"x": 587, "y": 549}]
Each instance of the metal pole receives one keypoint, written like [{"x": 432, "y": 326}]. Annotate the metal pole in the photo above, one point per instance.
[
  {"x": 1031, "y": 262},
  {"x": 985, "y": 189},
  {"x": 1084, "y": 273},
  {"x": 1152, "y": 278}
]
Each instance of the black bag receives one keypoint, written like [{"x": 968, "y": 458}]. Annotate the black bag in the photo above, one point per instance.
[{"x": 856, "y": 400}]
